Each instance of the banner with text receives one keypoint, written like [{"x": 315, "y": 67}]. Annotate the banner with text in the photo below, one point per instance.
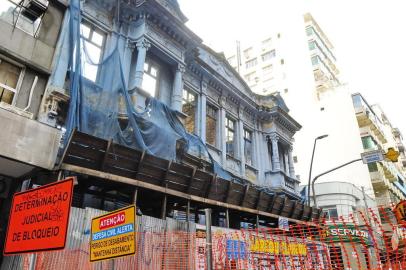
[
  {"x": 39, "y": 218},
  {"x": 113, "y": 235}
]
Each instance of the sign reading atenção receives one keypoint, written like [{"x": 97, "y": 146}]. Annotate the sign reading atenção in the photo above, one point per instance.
[
  {"x": 113, "y": 235},
  {"x": 39, "y": 218}
]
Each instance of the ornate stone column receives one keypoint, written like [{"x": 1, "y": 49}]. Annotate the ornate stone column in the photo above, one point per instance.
[
  {"x": 240, "y": 141},
  {"x": 142, "y": 46},
  {"x": 275, "y": 152},
  {"x": 291, "y": 166},
  {"x": 176, "y": 101},
  {"x": 222, "y": 129},
  {"x": 202, "y": 111},
  {"x": 127, "y": 56}
]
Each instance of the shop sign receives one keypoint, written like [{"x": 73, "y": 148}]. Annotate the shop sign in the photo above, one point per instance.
[
  {"x": 113, "y": 234},
  {"x": 39, "y": 218},
  {"x": 278, "y": 247},
  {"x": 347, "y": 233},
  {"x": 400, "y": 213}
]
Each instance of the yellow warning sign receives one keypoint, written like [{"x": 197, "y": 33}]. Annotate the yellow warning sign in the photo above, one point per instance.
[
  {"x": 392, "y": 154},
  {"x": 113, "y": 234}
]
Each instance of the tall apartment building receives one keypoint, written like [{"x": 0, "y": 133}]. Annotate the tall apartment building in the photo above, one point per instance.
[
  {"x": 300, "y": 63},
  {"x": 377, "y": 132},
  {"x": 265, "y": 64}
]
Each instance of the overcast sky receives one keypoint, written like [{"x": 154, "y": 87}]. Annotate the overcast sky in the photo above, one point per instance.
[{"x": 369, "y": 37}]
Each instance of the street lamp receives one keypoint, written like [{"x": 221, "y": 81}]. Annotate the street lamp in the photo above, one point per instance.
[
  {"x": 326, "y": 172},
  {"x": 311, "y": 166}
]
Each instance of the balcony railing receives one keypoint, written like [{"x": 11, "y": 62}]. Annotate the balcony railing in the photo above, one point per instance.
[{"x": 366, "y": 117}]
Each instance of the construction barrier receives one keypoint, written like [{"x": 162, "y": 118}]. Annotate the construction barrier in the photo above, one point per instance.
[{"x": 365, "y": 240}]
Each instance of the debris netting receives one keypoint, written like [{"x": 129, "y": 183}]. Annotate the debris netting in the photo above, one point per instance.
[{"x": 104, "y": 108}]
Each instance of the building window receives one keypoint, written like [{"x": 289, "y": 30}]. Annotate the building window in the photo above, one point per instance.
[
  {"x": 312, "y": 45},
  {"x": 309, "y": 31},
  {"x": 368, "y": 142},
  {"x": 279, "y": 35},
  {"x": 315, "y": 60},
  {"x": 28, "y": 20},
  {"x": 285, "y": 90},
  {"x": 372, "y": 167},
  {"x": 269, "y": 55},
  {"x": 211, "y": 125},
  {"x": 251, "y": 63},
  {"x": 9, "y": 80},
  {"x": 282, "y": 61},
  {"x": 295, "y": 159},
  {"x": 92, "y": 48},
  {"x": 331, "y": 213},
  {"x": 230, "y": 137},
  {"x": 189, "y": 108},
  {"x": 150, "y": 78},
  {"x": 248, "y": 146}
]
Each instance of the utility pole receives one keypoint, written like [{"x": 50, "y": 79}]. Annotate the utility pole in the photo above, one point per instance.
[{"x": 366, "y": 205}]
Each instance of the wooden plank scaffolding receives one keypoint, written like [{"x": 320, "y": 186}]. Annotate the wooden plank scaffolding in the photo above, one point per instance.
[{"x": 106, "y": 160}]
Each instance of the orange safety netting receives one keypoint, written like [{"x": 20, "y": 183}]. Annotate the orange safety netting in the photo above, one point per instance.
[{"x": 369, "y": 239}]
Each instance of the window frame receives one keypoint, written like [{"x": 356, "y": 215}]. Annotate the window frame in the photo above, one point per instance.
[
  {"x": 186, "y": 101},
  {"x": 328, "y": 209},
  {"x": 228, "y": 129},
  {"x": 151, "y": 63},
  {"x": 215, "y": 117},
  {"x": 268, "y": 55},
  {"x": 254, "y": 62},
  {"x": 250, "y": 140},
  {"x": 20, "y": 79},
  {"x": 92, "y": 29}
]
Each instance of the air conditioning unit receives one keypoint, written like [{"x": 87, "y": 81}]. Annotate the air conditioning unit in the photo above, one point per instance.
[{"x": 33, "y": 9}]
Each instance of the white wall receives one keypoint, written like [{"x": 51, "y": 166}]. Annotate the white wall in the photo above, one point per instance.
[{"x": 343, "y": 144}]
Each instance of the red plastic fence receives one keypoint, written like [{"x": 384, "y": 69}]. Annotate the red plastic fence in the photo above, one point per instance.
[{"x": 364, "y": 240}]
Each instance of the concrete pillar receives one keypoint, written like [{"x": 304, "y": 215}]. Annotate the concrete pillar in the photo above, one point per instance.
[
  {"x": 291, "y": 163},
  {"x": 177, "y": 88},
  {"x": 240, "y": 143},
  {"x": 62, "y": 54},
  {"x": 142, "y": 46},
  {"x": 275, "y": 153}
]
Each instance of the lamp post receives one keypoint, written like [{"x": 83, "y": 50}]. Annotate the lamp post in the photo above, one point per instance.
[
  {"x": 329, "y": 171},
  {"x": 311, "y": 166}
]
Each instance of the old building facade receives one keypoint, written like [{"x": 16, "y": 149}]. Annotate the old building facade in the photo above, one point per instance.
[{"x": 248, "y": 135}]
